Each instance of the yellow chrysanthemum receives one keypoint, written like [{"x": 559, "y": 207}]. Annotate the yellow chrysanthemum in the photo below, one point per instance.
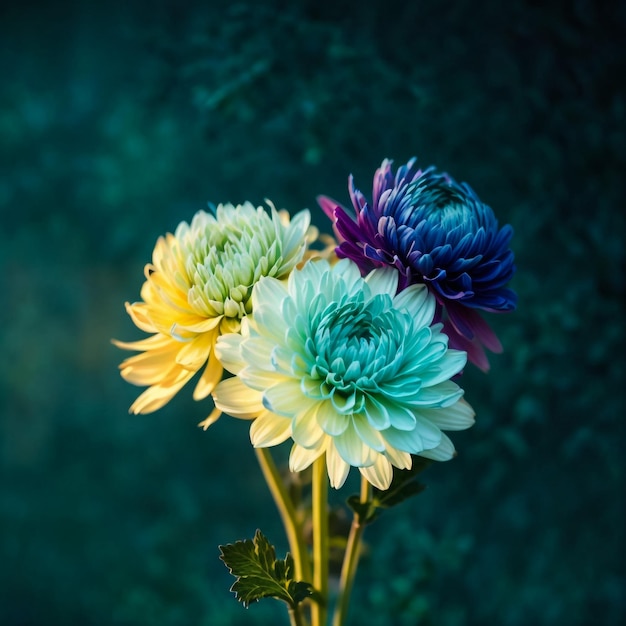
[{"x": 199, "y": 287}]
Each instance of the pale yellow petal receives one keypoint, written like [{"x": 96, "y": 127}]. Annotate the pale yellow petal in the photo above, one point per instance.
[
  {"x": 193, "y": 353},
  {"x": 301, "y": 458},
  {"x": 151, "y": 367},
  {"x": 138, "y": 312},
  {"x": 211, "y": 419},
  {"x": 269, "y": 429},
  {"x": 157, "y": 396},
  {"x": 233, "y": 397},
  {"x": 379, "y": 474},
  {"x": 337, "y": 468},
  {"x": 212, "y": 375}
]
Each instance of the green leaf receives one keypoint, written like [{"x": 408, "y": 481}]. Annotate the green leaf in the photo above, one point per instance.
[
  {"x": 260, "y": 574},
  {"x": 403, "y": 485}
]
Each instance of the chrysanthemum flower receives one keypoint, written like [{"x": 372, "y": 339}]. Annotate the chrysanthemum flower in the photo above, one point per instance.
[
  {"x": 437, "y": 232},
  {"x": 198, "y": 287},
  {"x": 345, "y": 367}
]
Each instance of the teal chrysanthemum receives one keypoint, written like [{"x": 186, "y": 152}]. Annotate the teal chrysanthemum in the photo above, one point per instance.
[{"x": 346, "y": 368}]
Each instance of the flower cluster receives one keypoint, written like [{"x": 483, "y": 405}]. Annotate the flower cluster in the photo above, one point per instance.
[
  {"x": 435, "y": 232},
  {"x": 351, "y": 351},
  {"x": 352, "y": 359}
]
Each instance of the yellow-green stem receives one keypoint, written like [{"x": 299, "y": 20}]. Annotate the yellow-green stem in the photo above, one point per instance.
[
  {"x": 320, "y": 540},
  {"x": 350, "y": 561},
  {"x": 287, "y": 512},
  {"x": 295, "y": 618}
]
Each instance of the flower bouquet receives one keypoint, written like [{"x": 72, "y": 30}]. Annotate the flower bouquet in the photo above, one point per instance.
[{"x": 352, "y": 350}]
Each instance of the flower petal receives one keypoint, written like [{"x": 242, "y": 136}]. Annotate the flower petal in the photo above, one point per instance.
[
  {"x": 233, "y": 397},
  {"x": 269, "y": 429},
  {"x": 443, "y": 452},
  {"x": 379, "y": 474},
  {"x": 337, "y": 468},
  {"x": 300, "y": 458}
]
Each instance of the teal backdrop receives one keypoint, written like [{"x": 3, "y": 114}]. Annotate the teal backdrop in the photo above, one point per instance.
[{"x": 119, "y": 120}]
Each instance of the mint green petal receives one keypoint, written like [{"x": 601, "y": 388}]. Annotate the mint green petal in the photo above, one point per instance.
[
  {"x": 445, "y": 368},
  {"x": 300, "y": 458},
  {"x": 376, "y": 413},
  {"x": 352, "y": 449},
  {"x": 400, "y": 417},
  {"x": 337, "y": 468},
  {"x": 305, "y": 429},
  {"x": 311, "y": 387},
  {"x": 310, "y": 275},
  {"x": 459, "y": 416},
  {"x": 350, "y": 274},
  {"x": 383, "y": 280},
  {"x": 331, "y": 422},
  {"x": 370, "y": 436},
  {"x": 286, "y": 398},
  {"x": 227, "y": 350},
  {"x": 411, "y": 440},
  {"x": 418, "y": 302},
  {"x": 441, "y": 395},
  {"x": 443, "y": 452},
  {"x": 269, "y": 430},
  {"x": 343, "y": 403}
]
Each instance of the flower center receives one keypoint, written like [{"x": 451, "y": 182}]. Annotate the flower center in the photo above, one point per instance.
[
  {"x": 227, "y": 257},
  {"x": 355, "y": 344}
]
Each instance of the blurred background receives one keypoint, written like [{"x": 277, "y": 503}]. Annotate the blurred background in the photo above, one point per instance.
[{"x": 119, "y": 120}]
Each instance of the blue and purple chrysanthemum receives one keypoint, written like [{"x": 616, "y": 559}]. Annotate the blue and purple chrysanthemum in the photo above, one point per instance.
[{"x": 437, "y": 232}]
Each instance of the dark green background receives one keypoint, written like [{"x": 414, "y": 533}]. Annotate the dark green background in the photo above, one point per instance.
[{"x": 117, "y": 121}]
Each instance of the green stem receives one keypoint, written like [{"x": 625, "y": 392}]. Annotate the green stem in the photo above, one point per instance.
[
  {"x": 350, "y": 560},
  {"x": 295, "y": 618},
  {"x": 287, "y": 513},
  {"x": 320, "y": 540}
]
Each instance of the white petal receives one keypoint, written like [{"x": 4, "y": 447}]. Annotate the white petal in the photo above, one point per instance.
[
  {"x": 418, "y": 302},
  {"x": 268, "y": 292},
  {"x": 383, "y": 280},
  {"x": 269, "y": 429},
  {"x": 443, "y": 452},
  {"x": 233, "y": 397},
  {"x": 227, "y": 350},
  {"x": 258, "y": 350}
]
